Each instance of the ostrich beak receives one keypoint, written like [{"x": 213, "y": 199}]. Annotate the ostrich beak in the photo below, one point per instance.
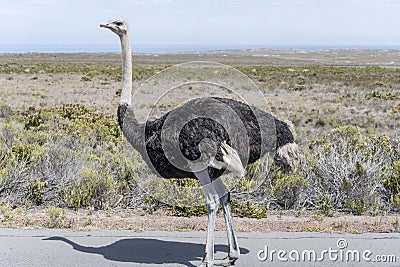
[{"x": 108, "y": 26}]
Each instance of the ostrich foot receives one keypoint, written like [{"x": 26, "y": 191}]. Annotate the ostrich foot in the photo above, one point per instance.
[
  {"x": 228, "y": 261},
  {"x": 206, "y": 264}
]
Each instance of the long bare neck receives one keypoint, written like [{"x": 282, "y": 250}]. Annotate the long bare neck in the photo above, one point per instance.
[
  {"x": 126, "y": 94},
  {"x": 133, "y": 131}
]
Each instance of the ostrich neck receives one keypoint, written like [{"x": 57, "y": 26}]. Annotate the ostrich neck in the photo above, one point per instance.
[
  {"x": 126, "y": 93},
  {"x": 133, "y": 131}
]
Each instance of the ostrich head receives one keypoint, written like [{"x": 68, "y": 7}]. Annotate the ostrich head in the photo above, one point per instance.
[{"x": 118, "y": 26}]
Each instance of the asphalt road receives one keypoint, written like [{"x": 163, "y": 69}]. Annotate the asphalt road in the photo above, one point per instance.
[{"x": 126, "y": 248}]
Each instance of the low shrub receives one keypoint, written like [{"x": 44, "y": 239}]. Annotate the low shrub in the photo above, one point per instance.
[
  {"x": 36, "y": 191},
  {"x": 183, "y": 211},
  {"x": 53, "y": 147},
  {"x": 325, "y": 205},
  {"x": 183, "y": 197},
  {"x": 93, "y": 189},
  {"x": 349, "y": 168},
  {"x": 5, "y": 110},
  {"x": 286, "y": 188},
  {"x": 249, "y": 210},
  {"x": 392, "y": 184},
  {"x": 56, "y": 218},
  {"x": 73, "y": 156},
  {"x": 33, "y": 121},
  {"x": 22, "y": 153}
]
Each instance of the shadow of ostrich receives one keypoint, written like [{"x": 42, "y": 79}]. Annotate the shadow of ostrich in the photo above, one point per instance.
[{"x": 147, "y": 250}]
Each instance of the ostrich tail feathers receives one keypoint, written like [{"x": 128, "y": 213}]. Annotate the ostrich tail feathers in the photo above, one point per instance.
[
  {"x": 287, "y": 157},
  {"x": 292, "y": 128}
]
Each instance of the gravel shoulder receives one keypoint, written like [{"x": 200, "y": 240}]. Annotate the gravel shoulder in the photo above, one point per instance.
[{"x": 139, "y": 220}]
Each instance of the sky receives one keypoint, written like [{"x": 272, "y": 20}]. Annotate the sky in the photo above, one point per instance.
[{"x": 271, "y": 22}]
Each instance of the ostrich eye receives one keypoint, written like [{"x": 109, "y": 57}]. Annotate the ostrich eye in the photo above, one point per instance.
[{"x": 118, "y": 23}]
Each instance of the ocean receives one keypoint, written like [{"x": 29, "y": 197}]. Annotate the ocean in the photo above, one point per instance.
[{"x": 167, "y": 48}]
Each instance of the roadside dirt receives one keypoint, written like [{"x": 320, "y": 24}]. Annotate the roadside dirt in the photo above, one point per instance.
[{"x": 139, "y": 220}]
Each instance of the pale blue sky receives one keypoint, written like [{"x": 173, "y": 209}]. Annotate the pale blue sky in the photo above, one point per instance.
[{"x": 272, "y": 22}]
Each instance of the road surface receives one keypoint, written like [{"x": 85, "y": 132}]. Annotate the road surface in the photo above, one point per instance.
[{"x": 126, "y": 248}]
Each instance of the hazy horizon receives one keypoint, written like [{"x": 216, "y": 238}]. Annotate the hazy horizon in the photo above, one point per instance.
[{"x": 173, "y": 48}]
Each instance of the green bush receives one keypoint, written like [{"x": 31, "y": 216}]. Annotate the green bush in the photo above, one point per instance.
[
  {"x": 350, "y": 168},
  {"x": 183, "y": 197},
  {"x": 56, "y": 218},
  {"x": 325, "y": 205},
  {"x": 33, "y": 121},
  {"x": 357, "y": 206},
  {"x": 190, "y": 189},
  {"x": 249, "y": 210},
  {"x": 74, "y": 156},
  {"x": 5, "y": 110},
  {"x": 55, "y": 145},
  {"x": 36, "y": 191},
  {"x": 183, "y": 211},
  {"x": 286, "y": 188},
  {"x": 392, "y": 184},
  {"x": 93, "y": 189},
  {"x": 22, "y": 153}
]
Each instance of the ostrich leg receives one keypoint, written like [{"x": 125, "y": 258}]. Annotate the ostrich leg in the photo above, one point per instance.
[
  {"x": 234, "y": 251},
  {"x": 212, "y": 202},
  {"x": 216, "y": 192}
]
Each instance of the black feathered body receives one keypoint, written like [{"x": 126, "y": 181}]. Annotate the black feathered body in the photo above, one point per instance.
[{"x": 250, "y": 131}]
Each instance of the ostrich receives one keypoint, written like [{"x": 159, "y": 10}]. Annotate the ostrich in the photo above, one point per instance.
[{"x": 205, "y": 142}]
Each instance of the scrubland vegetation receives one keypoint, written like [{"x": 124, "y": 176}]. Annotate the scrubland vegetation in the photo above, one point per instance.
[{"x": 74, "y": 156}]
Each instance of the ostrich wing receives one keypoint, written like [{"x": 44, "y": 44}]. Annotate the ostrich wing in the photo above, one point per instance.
[{"x": 230, "y": 160}]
